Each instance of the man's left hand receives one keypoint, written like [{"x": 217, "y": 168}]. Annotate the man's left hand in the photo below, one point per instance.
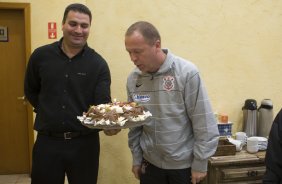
[{"x": 198, "y": 176}]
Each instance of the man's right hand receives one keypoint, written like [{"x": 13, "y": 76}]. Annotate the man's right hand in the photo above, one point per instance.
[
  {"x": 136, "y": 169},
  {"x": 112, "y": 132}
]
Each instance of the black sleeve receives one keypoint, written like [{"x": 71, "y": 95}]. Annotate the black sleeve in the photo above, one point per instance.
[
  {"x": 273, "y": 159},
  {"x": 32, "y": 81},
  {"x": 102, "y": 90}
]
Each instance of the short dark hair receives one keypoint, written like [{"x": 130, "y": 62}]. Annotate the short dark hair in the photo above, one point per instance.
[
  {"x": 77, "y": 8},
  {"x": 148, "y": 30}
]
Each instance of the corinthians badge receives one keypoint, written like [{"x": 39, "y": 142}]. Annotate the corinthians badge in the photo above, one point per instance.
[{"x": 168, "y": 83}]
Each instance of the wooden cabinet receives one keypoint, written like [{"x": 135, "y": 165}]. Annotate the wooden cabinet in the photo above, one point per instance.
[{"x": 242, "y": 168}]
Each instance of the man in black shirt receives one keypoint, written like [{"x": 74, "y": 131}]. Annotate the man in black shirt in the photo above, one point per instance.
[
  {"x": 273, "y": 159},
  {"x": 62, "y": 80}
]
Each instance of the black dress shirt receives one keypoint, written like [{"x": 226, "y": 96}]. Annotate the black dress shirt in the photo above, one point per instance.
[
  {"x": 273, "y": 159},
  {"x": 61, "y": 88}
]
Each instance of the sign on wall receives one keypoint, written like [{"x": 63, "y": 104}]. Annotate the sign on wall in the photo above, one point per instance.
[
  {"x": 3, "y": 34},
  {"x": 52, "y": 30}
]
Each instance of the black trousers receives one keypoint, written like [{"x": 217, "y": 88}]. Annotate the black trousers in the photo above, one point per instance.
[
  {"x": 53, "y": 158},
  {"x": 151, "y": 174}
]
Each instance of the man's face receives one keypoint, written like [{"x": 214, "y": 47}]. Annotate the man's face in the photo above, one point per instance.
[
  {"x": 76, "y": 29},
  {"x": 143, "y": 54}
]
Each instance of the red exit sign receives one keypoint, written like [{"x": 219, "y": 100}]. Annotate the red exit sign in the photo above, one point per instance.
[{"x": 52, "y": 30}]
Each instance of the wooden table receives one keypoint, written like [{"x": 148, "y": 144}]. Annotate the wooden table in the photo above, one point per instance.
[{"x": 241, "y": 168}]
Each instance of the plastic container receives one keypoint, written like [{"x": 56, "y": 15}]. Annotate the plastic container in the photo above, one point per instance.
[{"x": 225, "y": 129}]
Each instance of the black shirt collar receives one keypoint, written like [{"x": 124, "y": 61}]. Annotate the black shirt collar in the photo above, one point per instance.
[{"x": 84, "y": 49}]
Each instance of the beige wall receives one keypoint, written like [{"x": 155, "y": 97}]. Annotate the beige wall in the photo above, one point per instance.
[{"x": 236, "y": 45}]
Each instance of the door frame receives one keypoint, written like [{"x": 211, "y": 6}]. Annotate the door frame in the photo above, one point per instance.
[{"x": 25, "y": 7}]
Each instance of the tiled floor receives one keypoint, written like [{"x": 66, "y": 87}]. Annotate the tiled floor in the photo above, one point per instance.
[{"x": 16, "y": 179}]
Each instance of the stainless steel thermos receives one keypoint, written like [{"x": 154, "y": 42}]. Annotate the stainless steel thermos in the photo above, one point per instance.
[
  {"x": 250, "y": 117},
  {"x": 265, "y": 118}
]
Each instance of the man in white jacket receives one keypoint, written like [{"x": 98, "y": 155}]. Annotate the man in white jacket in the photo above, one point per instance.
[{"x": 173, "y": 147}]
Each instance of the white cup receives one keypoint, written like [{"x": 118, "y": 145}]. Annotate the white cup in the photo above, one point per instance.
[
  {"x": 252, "y": 141},
  {"x": 252, "y": 145},
  {"x": 252, "y": 149},
  {"x": 241, "y": 136},
  {"x": 237, "y": 143}
]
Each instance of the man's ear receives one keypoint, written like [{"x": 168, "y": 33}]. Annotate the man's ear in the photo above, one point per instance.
[
  {"x": 158, "y": 44},
  {"x": 62, "y": 24}
]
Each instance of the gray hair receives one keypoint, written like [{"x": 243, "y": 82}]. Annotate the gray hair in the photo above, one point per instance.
[{"x": 148, "y": 31}]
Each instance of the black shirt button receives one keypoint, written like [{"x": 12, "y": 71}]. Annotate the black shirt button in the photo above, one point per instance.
[
  {"x": 63, "y": 106},
  {"x": 66, "y": 75}
]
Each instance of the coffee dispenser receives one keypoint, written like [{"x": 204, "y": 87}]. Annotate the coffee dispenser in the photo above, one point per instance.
[
  {"x": 250, "y": 117},
  {"x": 265, "y": 117}
]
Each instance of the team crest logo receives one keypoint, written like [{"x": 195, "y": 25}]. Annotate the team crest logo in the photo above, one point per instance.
[{"x": 168, "y": 83}]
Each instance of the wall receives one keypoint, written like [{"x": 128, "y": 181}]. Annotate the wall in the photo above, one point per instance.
[{"x": 235, "y": 44}]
